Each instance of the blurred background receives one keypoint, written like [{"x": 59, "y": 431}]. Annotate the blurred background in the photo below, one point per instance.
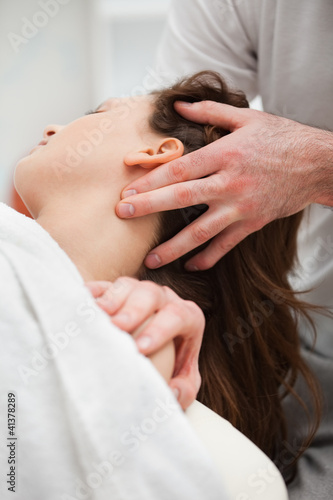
[{"x": 60, "y": 58}]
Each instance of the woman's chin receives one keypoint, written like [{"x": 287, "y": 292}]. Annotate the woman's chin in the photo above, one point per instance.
[
  {"x": 19, "y": 173},
  {"x": 23, "y": 180}
]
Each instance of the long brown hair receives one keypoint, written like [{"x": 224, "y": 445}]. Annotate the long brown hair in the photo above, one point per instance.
[{"x": 250, "y": 356}]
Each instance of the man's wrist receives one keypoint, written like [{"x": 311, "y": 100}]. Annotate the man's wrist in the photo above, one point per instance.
[{"x": 321, "y": 155}]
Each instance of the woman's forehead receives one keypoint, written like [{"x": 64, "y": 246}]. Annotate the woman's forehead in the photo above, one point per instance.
[{"x": 132, "y": 102}]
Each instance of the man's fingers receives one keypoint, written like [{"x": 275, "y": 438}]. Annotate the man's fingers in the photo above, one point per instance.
[
  {"x": 213, "y": 113},
  {"x": 185, "y": 194},
  {"x": 191, "y": 166},
  {"x": 220, "y": 246},
  {"x": 195, "y": 234},
  {"x": 175, "y": 171}
]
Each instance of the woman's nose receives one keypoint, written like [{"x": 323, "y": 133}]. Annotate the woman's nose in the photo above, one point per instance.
[{"x": 51, "y": 130}]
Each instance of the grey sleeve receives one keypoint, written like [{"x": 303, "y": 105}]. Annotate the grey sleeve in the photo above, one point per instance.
[{"x": 209, "y": 35}]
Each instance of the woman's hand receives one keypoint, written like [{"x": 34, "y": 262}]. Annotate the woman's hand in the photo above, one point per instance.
[
  {"x": 268, "y": 167},
  {"x": 131, "y": 302}
]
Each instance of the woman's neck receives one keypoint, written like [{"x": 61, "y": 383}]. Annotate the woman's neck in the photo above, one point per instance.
[{"x": 102, "y": 246}]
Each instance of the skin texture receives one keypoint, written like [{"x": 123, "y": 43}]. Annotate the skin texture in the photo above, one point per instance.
[
  {"x": 268, "y": 167},
  {"x": 164, "y": 359},
  {"x": 71, "y": 184},
  {"x": 58, "y": 181}
]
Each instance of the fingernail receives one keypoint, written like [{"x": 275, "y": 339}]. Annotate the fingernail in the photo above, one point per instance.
[
  {"x": 191, "y": 267},
  {"x": 184, "y": 103},
  {"x": 176, "y": 392},
  {"x": 153, "y": 261},
  {"x": 143, "y": 342},
  {"x": 123, "y": 318},
  {"x": 102, "y": 301},
  {"x": 125, "y": 210},
  {"x": 129, "y": 192}
]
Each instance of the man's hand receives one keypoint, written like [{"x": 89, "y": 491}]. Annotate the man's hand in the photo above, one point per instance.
[
  {"x": 268, "y": 167},
  {"x": 130, "y": 303}
]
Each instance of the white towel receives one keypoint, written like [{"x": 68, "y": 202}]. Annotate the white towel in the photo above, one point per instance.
[{"x": 93, "y": 418}]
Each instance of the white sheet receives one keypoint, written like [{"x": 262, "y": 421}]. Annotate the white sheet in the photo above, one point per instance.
[{"x": 94, "y": 420}]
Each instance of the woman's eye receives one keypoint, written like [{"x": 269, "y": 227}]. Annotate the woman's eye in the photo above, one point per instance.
[{"x": 92, "y": 112}]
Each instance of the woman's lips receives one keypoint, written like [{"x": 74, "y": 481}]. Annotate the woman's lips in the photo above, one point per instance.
[{"x": 43, "y": 142}]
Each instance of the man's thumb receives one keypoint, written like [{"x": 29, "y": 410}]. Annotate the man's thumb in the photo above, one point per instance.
[{"x": 213, "y": 113}]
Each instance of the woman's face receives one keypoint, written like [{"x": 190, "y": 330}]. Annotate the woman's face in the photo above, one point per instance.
[
  {"x": 72, "y": 181},
  {"x": 87, "y": 158}
]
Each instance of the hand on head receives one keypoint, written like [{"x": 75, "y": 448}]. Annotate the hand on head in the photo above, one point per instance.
[{"x": 248, "y": 178}]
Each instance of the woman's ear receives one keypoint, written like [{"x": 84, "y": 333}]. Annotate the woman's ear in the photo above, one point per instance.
[{"x": 167, "y": 149}]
